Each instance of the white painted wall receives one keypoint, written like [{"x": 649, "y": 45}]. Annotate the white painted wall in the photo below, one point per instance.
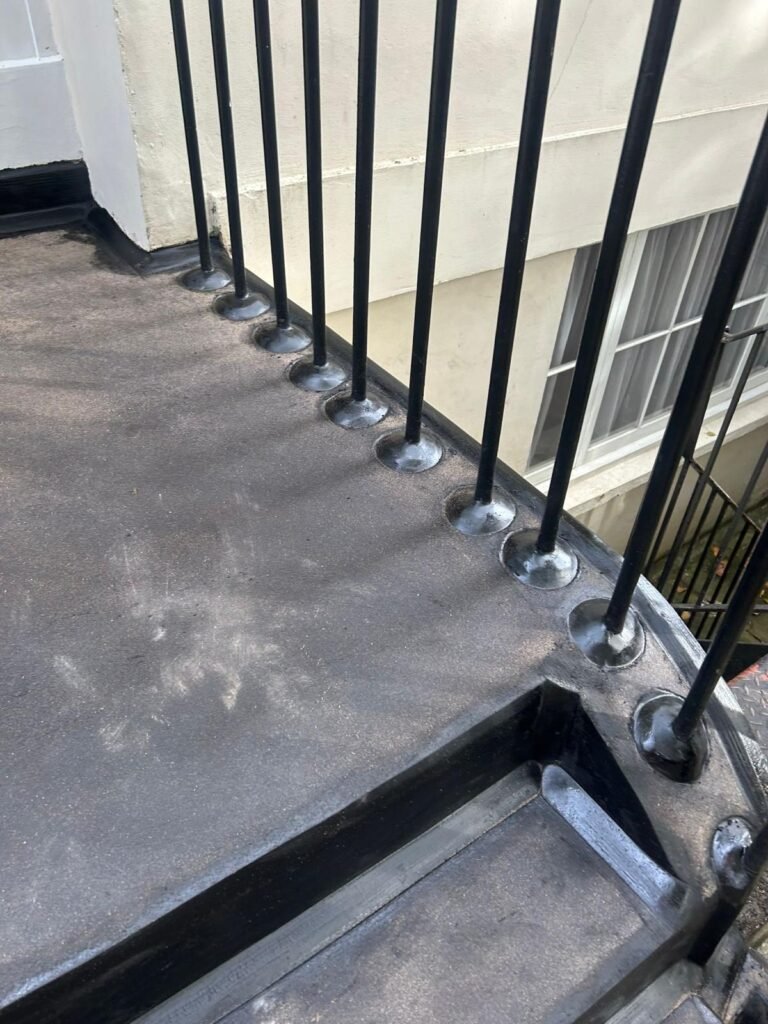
[
  {"x": 37, "y": 124},
  {"x": 63, "y": 97},
  {"x": 86, "y": 32}
]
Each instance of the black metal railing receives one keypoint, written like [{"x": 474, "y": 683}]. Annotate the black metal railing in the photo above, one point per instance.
[
  {"x": 668, "y": 728},
  {"x": 697, "y": 563}
]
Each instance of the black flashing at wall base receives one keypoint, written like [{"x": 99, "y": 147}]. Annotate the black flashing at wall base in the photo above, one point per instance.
[
  {"x": 59, "y": 194},
  {"x": 157, "y": 261},
  {"x": 26, "y": 190}
]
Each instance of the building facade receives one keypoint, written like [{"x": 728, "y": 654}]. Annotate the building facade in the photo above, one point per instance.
[{"x": 69, "y": 65}]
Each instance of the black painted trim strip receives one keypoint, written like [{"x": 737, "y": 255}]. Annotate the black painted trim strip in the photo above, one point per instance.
[{"x": 25, "y": 190}]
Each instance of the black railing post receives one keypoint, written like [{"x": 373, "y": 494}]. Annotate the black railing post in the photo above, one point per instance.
[
  {"x": 725, "y": 639},
  {"x": 357, "y": 409},
  {"x": 207, "y": 277},
  {"x": 668, "y": 729},
  {"x": 317, "y": 373},
  {"x": 739, "y": 856},
  {"x": 411, "y": 450},
  {"x": 546, "y": 561},
  {"x": 477, "y": 511},
  {"x": 282, "y": 336},
  {"x": 615, "y": 626},
  {"x": 703, "y": 479},
  {"x": 241, "y": 304}
]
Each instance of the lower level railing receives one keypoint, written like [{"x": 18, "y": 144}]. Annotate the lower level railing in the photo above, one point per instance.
[{"x": 709, "y": 549}]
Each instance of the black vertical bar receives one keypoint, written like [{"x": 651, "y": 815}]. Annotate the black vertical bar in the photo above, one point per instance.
[
  {"x": 756, "y": 854},
  {"x": 697, "y": 419},
  {"x": 721, "y": 595},
  {"x": 652, "y": 64},
  {"x": 706, "y": 474},
  {"x": 725, "y": 639},
  {"x": 366, "y": 112},
  {"x": 660, "y": 533},
  {"x": 679, "y": 543},
  {"x": 705, "y": 551},
  {"x": 190, "y": 133},
  {"x": 221, "y": 69},
  {"x": 271, "y": 160},
  {"x": 733, "y": 894},
  {"x": 311, "y": 47},
  {"x": 706, "y": 348},
  {"x": 531, "y": 131},
  {"x": 439, "y": 98}
]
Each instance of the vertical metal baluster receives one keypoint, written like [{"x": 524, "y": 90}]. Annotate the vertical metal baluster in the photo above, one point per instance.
[
  {"x": 610, "y": 633},
  {"x": 731, "y": 626},
  {"x": 478, "y": 510},
  {"x": 544, "y": 560},
  {"x": 411, "y": 450},
  {"x": 241, "y": 304},
  {"x": 706, "y": 475},
  {"x": 282, "y": 336},
  {"x": 739, "y": 855},
  {"x": 689, "y": 547},
  {"x": 687, "y": 596},
  {"x": 662, "y": 530},
  {"x": 756, "y": 854},
  {"x": 668, "y": 729},
  {"x": 749, "y": 532},
  {"x": 317, "y": 373},
  {"x": 724, "y": 583},
  {"x": 207, "y": 277},
  {"x": 357, "y": 409}
]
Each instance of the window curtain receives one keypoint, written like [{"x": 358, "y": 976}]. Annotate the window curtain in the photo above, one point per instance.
[
  {"x": 575, "y": 307},
  {"x": 666, "y": 257}
]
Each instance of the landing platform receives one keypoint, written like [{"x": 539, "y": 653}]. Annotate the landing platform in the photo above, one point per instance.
[{"x": 223, "y": 622}]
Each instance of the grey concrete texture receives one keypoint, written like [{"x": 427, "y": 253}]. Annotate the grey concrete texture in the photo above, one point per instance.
[
  {"x": 499, "y": 934},
  {"x": 222, "y": 620}
]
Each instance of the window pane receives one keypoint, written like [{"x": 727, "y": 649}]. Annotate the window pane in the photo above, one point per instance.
[
  {"x": 762, "y": 356},
  {"x": 744, "y": 317},
  {"x": 575, "y": 308},
  {"x": 741, "y": 319},
  {"x": 666, "y": 256},
  {"x": 756, "y": 278},
  {"x": 551, "y": 417},
  {"x": 707, "y": 258},
  {"x": 672, "y": 369},
  {"x": 627, "y": 388}
]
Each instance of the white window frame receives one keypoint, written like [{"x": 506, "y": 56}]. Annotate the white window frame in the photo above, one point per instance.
[{"x": 594, "y": 455}]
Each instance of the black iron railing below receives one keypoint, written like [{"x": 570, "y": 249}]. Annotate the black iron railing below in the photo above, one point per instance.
[{"x": 709, "y": 548}]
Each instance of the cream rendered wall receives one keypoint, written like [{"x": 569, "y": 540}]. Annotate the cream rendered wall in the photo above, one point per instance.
[
  {"x": 461, "y": 341},
  {"x": 710, "y": 112},
  {"x": 711, "y": 106}
]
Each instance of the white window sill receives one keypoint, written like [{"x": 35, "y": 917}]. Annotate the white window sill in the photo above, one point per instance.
[{"x": 597, "y": 486}]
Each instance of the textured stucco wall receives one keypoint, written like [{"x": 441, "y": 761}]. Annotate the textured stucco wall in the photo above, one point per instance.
[{"x": 712, "y": 105}]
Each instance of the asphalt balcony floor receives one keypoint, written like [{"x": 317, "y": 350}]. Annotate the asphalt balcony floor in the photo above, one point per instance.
[{"x": 222, "y": 619}]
